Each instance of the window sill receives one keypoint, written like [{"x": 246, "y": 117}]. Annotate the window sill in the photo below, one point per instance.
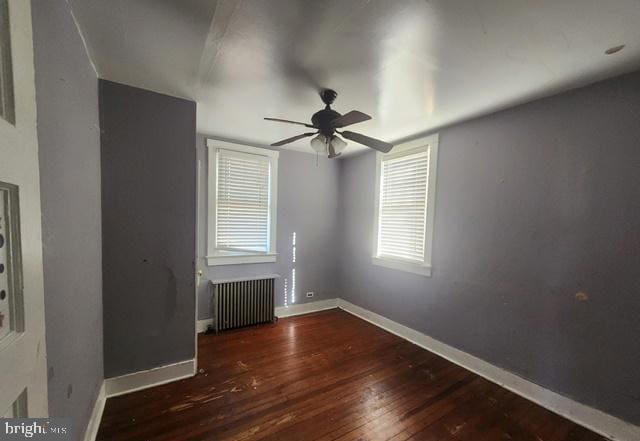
[
  {"x": 238, "y": 259},
  {"x": 423, "y": 270}
]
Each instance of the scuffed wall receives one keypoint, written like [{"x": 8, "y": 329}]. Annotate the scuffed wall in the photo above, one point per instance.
[
  {"x": 69, "y": 143},
  {"x": 149, "y": 209},
  {"x": 536, "y": 257}
]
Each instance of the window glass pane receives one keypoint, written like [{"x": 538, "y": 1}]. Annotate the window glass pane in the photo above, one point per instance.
[
  {"x": 11, "y": 311},
  {"x": 6, "y": 72},
  {"x": 5, "y": 307}
]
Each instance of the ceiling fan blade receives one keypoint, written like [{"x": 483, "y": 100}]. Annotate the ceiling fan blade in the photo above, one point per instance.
[
  {"x": 290, "y": 122},
  {"x": 293, "y": 138},
  {"x": 349, "y": 118},
  {"x": 375, "y": 144}
]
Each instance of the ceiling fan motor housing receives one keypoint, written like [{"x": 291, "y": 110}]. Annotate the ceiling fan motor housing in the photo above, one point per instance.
[{"x": 323, "y": 121}]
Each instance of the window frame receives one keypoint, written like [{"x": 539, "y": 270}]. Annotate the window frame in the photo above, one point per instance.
[
  {"x": 217, "y": 256},
  {"x": 429, "y": 144}
]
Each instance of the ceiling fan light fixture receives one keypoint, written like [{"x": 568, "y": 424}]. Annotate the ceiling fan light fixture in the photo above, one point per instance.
[
  {"x": 338, "y": 144},
  {"x": 319, "y": 144}
]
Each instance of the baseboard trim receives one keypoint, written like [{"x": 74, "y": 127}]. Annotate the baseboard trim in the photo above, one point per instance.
[
  {"x": 306, "y": 308},
  {"x": 202, "y": 325},
  {"x": 596, "y": 420},
  {"x": 145, "y": 379},
  {"x": 91, "y": 432}
]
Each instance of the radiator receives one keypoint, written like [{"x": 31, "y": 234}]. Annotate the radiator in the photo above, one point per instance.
[{"x": 243, "y": 303}]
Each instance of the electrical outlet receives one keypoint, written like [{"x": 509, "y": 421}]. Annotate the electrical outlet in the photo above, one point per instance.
[{"x": 310, "y": 294}]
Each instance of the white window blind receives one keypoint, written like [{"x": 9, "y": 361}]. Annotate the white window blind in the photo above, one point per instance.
[
  {"x": 403, "y": 207},
  {"x": 242, "y": 202}
]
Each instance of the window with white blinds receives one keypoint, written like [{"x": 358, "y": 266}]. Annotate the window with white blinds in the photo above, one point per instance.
[
  {"x": 243, "y": 212},
  {"x": 242, "y": 222},
  {"x": 404, "y": 206}
]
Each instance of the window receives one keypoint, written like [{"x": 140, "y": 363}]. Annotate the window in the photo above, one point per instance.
[
  {"x": 405, "y": 190},
  {"x": 6, "y": 72},
  {"x": 242, "y": 204}
]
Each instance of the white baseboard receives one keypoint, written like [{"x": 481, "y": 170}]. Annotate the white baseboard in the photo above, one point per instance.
[
  {"x": 596, "y": 420},
  {"x": 124, "y": 384},
  {"x": 153, "y": 377},
  {"x": 201, "y": 325},
  {"x": 305, "y": 308},
  {"x": 96, "y": 415}
]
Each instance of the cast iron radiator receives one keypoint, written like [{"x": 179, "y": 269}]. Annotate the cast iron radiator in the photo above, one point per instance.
[{"x": 243, "y": 303}]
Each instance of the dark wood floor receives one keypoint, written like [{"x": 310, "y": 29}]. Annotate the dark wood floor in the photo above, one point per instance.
[{"x": 328, "y": 376}]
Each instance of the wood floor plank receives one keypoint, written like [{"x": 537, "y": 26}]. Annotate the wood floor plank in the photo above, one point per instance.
[{"x": 328, "y": 376}]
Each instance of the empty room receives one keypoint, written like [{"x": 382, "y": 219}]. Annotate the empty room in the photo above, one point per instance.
[{"x": 320, "y": 220}]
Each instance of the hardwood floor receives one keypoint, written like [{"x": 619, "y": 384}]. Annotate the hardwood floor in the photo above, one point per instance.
[{"x": 328, "y": 376}]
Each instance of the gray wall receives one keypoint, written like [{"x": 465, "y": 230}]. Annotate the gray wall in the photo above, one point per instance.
[
  {"x": 307, "y": 205},
  {"x": 148, "y": 207},
  {"x": 533, "y": 205},
  {"x": 69, "y": 138}
]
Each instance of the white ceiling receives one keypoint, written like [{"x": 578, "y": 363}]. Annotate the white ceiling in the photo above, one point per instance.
[{"x": 414, "y": 65}]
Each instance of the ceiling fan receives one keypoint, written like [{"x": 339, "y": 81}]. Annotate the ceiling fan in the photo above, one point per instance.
[{"x": 327, "y": 122}]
